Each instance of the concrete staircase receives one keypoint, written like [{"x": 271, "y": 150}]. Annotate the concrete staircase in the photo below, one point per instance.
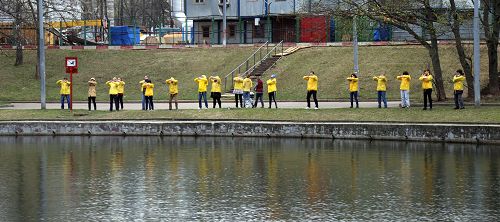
[{"x": 264, "y": 66}]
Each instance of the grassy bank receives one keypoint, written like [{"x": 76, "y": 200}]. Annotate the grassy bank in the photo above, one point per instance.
[
  {"x": 439, "y": 114},
  {"x": 332, "y": 64}
]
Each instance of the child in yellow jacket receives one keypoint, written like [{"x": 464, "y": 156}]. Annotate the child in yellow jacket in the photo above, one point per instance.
[{"x": 381, "y": 89}]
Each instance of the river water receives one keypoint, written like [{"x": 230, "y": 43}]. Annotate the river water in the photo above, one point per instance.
[{"x": 235, "y": 179}]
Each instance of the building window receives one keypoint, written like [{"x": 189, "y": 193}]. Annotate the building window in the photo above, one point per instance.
[
  {"x": 232, "y": 30},
  {"x": 259, "y": 31},
  {"x": 199, "y": 1},
  {"x": 206, "y": 31}
]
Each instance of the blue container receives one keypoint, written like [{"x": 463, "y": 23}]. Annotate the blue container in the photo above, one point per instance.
[{"x": 124, "y": 35}]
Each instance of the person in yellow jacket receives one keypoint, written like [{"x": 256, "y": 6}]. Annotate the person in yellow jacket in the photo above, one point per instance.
[
  {"x": 247, "y": 87},
  {"x": 271, "y": 90},
  {"x": 92, "y": 93},
  {"x": 353, "y": 89},
  {"x": 458, "y": 89},
  {"x": 405, "y": 89},
  {"x": 216, "y": 92},
  {"x": 312, "y": 89},
  {"x": 173, "y": 91},
  {"x": 113, "y": 93},
  {"x": 381, "y": 89},
  {"x": 202, "y": 90},
  {"x": 238, "y": 90},
  {"x": 148, "y": 87},
  {"x": 65, "y": 91},
  {"x": 143, "y": 98},
  {"x": 121, "y": 91},
  {"x": 426, "y": 79}
]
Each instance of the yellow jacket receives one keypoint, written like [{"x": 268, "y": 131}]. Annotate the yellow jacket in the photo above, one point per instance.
[
  {"x": 202, "y": 83},
  {"x": 113, "y": 87},
  {"x": 142, "y": 83},
  {"x": 173, "y": 86},
  {"x": 216, "y": 84},
  {"x": 312, "y": 82},
  {"x": 458, "y": 82},
  {"x": 405, "y": 82},
  {"x": 247, "y": 85},
  {"x": 353, "y": 84},
  {"x": 426, "y": 81},
  {"x": 148, "y": 87},
  {"x": 121, "y": 87},
  {"x": 238, "y": 83},
  {"x": 271, "y": 85},
  {"x": 381, "y": 83},
  {"x": 65, "y": 87}
]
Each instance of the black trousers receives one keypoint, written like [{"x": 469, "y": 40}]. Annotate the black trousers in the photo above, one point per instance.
[
  {"x": 459, "y": 101},
  {"x": 120, "y": 99},
  {"x": 149, "y": 103},
  {"x": 92, "y": 100},
  {"x": 272, "y": 97},
  {"x": 354, "y": 97},
  {"x": 113, "y": 98},
  {"x": 427, "y": 98},
  {"x": 259, "y": 96},
  {"x": 313, "y": 94},
  {"x": 216, "y": 99},
  {"x": 240, "y": 97}
]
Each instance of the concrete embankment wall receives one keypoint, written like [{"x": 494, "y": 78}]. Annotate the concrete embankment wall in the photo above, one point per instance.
[{"x": 462, "y": 133}]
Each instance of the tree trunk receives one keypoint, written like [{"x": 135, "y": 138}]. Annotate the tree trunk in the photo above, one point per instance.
[
  {"x": 493, "y": 85},
  {"x": 466, "y": 66},
  {"x": 436, "y": 66},
  {"x": 18, "y": 43}
]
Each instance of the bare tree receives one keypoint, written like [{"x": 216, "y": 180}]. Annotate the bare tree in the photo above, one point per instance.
[
  {"x": 403, "y": 14},
  {"x": 491, "y": 25},
  {"x": 455, "y": 19}
]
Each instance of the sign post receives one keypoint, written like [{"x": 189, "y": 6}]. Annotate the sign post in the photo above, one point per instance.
[{"x": 71, "y": 68}]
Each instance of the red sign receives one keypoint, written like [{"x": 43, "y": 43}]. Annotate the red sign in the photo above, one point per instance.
[{"x": 71, "y": 65}]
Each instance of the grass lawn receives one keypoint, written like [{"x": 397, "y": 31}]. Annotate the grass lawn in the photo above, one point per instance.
[
  {"x": 332, "y": 65},
  {"x": 439, "y": 114}
]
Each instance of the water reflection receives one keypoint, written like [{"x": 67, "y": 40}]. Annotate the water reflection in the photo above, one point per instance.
[{"x": 153, "y": 178}]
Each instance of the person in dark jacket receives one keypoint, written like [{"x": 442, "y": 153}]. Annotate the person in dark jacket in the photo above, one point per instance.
[{"x": 259, "y": 93}]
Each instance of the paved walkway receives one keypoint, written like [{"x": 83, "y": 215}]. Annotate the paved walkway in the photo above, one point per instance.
[{"x": 163, "y": 105}]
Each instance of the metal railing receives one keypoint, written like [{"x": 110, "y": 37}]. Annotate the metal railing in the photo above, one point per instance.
[
  {"x": 246, "y": 63},
  {"x": 256, "y": 62}
]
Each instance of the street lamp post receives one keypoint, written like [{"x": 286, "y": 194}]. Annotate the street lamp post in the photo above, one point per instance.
[
  {"x": 355, "y": 44},
  {"x": 41, "y": 55},
  {"x": 224, "y": 23},
  {"x": 477, "y": 56}
]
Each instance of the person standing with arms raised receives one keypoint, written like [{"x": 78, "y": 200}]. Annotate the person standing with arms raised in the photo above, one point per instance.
[
  {"x": 202, "y": 90},
  {"x": 148, "y": 94},
  {"x": 121, "y": 91},
  {"x": 92, "y": 93},
  {"x": 271, "y": 90},
  {"x": 65, "y": 91},
  {"x": 405, "y": 89},
  {"x": 312, "y": 89},
  {"x": 247, "y": 87},
  {"x": 353, "y": 89},
  {"x": 238, "y": 90},
  {"x": 143, "y": 97},
  {"x": 173, "y": 91},
  {"x": 426, "y": 79},
  {"x": 215, "y": 92},
  {"x": 113, "y": 93},
  {"x": 458, "y": 89},
  {"x": 381, "y": 89}
]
